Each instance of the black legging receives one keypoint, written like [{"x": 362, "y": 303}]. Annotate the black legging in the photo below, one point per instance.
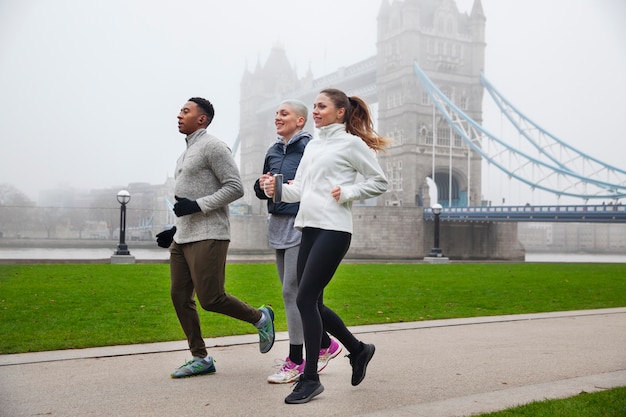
[{"x": 321, "y": 252}]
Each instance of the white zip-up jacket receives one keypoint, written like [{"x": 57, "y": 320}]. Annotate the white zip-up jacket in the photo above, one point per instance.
[{"x": 333, "y": 158}]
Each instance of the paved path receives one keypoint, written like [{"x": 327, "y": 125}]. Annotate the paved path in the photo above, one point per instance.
[{"x": 439, "y": 368}]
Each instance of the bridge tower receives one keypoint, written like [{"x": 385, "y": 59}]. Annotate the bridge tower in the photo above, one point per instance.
[
  {"x": 449, "y": 46},
  {"x": 261, "y": 91}
]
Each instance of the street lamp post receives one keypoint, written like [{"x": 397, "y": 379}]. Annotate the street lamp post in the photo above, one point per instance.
[
  {"x": 436, "y": 251},
  {"x": 123, "y": 197}
]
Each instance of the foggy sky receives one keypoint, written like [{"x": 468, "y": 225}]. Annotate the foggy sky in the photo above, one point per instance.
[{"x": 90, "y": 90}]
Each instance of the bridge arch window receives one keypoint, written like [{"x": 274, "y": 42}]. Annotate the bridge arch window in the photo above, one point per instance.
[
  {"x": 443, "y": 136},
  {"x": 396, "y": 137},
  {"x": 426, "y": 99},
  {"x": 394, "y": 175},
  {"x": 423, "y": 135},
  {"x": 429, "y": 137},
  {"x": 458, "y": 140},
  {"x": 395, "y": 99}
]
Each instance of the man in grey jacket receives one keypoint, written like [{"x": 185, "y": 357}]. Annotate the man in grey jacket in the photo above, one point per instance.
[{"x": 207, "y": 180}]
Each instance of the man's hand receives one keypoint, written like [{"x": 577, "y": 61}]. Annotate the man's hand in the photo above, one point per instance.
[
  {"x": 165, "y": 238},
  {"x": 185, "y": 206}
]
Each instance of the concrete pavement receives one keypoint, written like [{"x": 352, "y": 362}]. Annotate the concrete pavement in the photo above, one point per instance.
[{"x": 441, "y": 368}]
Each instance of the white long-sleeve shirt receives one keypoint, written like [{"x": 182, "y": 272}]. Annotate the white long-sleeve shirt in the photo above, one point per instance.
[{"x": 334, "y": 158}]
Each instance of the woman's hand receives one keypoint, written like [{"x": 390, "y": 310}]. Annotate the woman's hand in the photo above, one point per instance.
[
  {"x": 266, "y": 182},
  {"x": 336, "y": 192}
]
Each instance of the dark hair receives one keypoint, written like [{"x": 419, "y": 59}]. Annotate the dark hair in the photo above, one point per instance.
[
  {"x": 206, "y": 107},
  {"x": 357, "y": 119}
]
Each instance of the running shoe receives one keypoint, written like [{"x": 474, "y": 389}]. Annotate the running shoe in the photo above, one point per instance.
[
  {"x": 304, "y": 391},
  {"x": 196, "y": 366},
  {"x": 359, "y": 362},
  {"x": 288, "y": 372},
  {"x": 266, "y": 332},
  {"x": 327, "y": 354}
]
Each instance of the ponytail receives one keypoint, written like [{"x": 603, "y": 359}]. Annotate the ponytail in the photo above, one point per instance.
[{"x": 358, "y": 120}]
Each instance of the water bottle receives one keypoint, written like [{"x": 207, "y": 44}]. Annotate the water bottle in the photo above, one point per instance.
[{"x": 278, "y": 188}]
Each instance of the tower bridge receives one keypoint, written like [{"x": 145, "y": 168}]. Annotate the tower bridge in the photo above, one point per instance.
[{"x": 425, "y": 87}]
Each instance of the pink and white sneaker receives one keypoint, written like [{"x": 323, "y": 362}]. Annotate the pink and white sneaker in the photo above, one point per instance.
[
  {"x": 288, "y": 372},
  {"x": 327, "y": 354}
]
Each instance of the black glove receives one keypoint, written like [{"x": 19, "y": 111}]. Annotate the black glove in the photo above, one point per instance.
[
  {"x": 185, "y": 206},
  {"x": 165, "y": 238}
]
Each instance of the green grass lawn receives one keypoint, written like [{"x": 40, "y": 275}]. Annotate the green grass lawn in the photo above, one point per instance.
[
  {"x": 608, "y": 403},
  {"x": 49, "y": 307}
]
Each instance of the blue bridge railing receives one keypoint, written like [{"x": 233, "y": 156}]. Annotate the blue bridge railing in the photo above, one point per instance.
[{"x": 584, "y": 214}]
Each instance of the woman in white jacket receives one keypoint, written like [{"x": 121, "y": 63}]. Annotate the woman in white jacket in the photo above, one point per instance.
[{"x": 325, "y": 185}]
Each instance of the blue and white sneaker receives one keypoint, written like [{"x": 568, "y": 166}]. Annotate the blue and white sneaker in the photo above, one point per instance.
[
  {"x": 196, "y": 366},
  {"x": 266, "y": 331}
]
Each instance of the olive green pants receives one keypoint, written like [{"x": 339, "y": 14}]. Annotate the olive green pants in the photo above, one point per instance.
[{"x": 200, "y": 267}]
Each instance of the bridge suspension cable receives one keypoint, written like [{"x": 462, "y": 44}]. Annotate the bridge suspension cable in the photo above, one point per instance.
[
  {"x": 547, "y": 164},
  {"x": 559, "y": 152}
]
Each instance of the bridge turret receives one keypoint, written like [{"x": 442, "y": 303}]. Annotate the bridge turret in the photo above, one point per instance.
[{"x": 477, "y": 28}]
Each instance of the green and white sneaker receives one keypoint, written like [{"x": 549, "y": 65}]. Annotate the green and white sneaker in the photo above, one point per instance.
[
  {"x": 196, "y": 366},
  {"x": 266, "y": 331}
]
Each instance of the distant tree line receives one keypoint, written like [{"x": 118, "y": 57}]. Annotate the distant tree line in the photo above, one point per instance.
[{"x": 20, "y": 217}]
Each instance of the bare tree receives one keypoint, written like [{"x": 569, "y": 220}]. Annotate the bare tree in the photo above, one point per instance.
[{"x": 16, "y": 211}]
